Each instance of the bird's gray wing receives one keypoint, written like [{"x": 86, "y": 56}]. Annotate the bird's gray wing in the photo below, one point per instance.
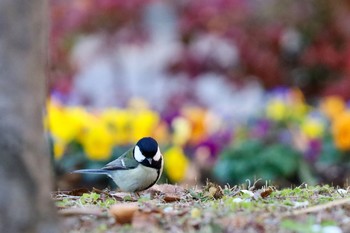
[{"x": 124, "y": 162}]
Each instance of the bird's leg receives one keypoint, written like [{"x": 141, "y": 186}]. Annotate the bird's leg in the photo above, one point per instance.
[{"x": 137, "y": 194}]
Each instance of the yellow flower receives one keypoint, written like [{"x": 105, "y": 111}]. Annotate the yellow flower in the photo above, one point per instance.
[
  {"x": 341, "y": 131},
  {"x": 182, "y": 131},
  {"x": 298, "y": 110},
  {"x": 277, "y": 110},
  {"x": 119, "y": 123},
  {"x": 143, "y": 119},
  {"x": 176, "y": 163},
  {"x": 64, "y": 123},
  {"x": 291, "y": 106},
  {"x": 59, "y": 148},
  {"x": 333, "y": 106},
  {"x": 80, "y": 119},
  {"x": 143, "y": 124},
  {"x": 312, "y": 128},
  {"x": 98, "y": 142},
  {"x": 55, "y": 122}
]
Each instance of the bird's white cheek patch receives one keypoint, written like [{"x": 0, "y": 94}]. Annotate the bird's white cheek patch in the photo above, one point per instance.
[
  {"x": 157, "y": 156},
  {"x": 138, "y": 155}
]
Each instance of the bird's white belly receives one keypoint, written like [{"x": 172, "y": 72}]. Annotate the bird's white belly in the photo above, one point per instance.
[{"x": 136, "y": 179}]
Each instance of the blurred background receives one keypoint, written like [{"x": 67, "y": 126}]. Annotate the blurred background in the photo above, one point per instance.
[{"x": 231, "y": 89}]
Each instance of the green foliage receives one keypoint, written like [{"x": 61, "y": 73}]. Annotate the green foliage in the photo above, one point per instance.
[
  {"x": 96, "y": 199},
  {"x": 64, "y": 203},
  {"x": 329, "y": 155},
  {"x": 253, "y": 159},
  {"x": 89, "y": 198}
]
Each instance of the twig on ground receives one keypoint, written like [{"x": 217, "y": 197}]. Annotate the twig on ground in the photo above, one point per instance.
[{"x": 316, "y": 208}]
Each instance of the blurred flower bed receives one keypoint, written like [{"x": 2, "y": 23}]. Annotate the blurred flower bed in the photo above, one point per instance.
[
  {"x": 207, "y": 74},
  {"x": 289, "y": 142},
  {"x": 293, "y": 43}
]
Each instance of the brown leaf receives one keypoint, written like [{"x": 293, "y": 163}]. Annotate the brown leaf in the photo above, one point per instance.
[
  {"x": 124, "y": 212},
  {"x": 262, "y": 193},
  {"x": 171, "y": 198},
  {"x": 266, "y": 193}
]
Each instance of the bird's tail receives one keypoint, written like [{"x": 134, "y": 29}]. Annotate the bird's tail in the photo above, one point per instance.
[{"x": 92, "y": 171}]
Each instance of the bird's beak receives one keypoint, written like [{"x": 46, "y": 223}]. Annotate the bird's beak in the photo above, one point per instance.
[{"x": 150, "y": 160}]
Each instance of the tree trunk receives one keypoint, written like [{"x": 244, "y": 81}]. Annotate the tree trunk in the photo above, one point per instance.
[{"x": 25, "y": 172}]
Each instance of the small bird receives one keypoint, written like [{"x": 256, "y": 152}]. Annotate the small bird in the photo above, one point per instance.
[{"x": 137, "y": 169}]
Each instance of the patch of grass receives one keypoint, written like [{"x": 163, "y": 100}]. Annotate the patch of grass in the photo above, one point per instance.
[
  {"x": 89, "y": 198},
  {"x": 308, "y": 226},
  {"x": 65, "y": 202}
]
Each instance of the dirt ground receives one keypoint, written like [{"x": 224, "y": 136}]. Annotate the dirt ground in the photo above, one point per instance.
[{"x": 169, "y": 208}]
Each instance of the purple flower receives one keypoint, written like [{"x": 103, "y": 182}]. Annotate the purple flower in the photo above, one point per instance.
[
  {"x": 313, "y": 150},
  {"x": 261, "y": 128}
]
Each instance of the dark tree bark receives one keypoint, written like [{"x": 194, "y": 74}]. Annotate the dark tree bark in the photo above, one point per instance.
[{"x": 25, "y": 173}]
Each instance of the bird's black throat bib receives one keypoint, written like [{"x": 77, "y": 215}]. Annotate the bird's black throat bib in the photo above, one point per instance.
[{"x": 155, "y": 164}]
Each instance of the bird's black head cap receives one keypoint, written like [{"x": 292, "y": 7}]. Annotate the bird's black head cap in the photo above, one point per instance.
[{"x": 148, "y": 146}]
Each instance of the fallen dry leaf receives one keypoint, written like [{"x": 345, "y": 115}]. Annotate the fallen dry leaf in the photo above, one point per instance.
[
  {"x": 171, "y": 198},
  {"x": 262, "y": 193},
  {"x": 266, "y": 192},
  {"x": 124, "y": 212}
]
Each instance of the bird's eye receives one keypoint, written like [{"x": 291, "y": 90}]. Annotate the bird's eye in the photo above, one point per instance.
[
  {"x": 138, "y": 155},
  {"x": 157, "y": 155}
]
